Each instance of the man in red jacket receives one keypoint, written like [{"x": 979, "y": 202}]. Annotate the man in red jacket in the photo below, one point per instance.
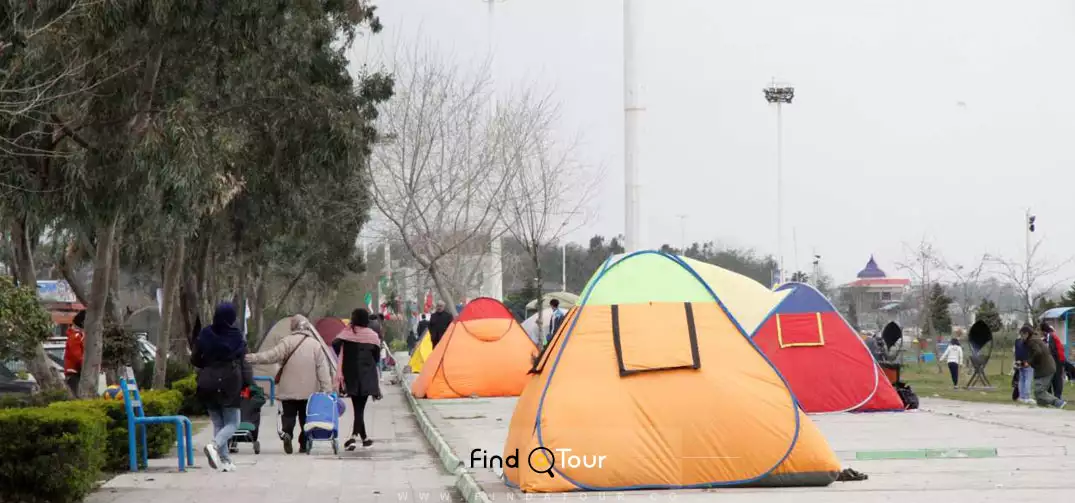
[
  {"x": 73, "y": 352},
  {"x": 1056, "y": 348}
]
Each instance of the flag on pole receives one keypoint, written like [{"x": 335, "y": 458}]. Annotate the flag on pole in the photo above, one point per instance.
[
  {"x": 369, "y": 302},
  {"x": 428, "y": 308}
]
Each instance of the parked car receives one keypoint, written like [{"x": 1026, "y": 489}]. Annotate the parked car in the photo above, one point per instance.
[{"x": 11, "y": 384}]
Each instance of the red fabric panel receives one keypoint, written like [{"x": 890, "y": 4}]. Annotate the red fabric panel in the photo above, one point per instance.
[
  {"x": 329, "y": 328},
  {"x": 838, "y": 376},
  {"x": 799, "y": 328},
  {"x": 885, "y": 398},
  {"x": 484, "y": 308}
]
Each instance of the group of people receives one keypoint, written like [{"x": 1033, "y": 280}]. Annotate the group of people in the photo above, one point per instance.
[
  {"x": 1040, "y": 365},
  {"x": 436, "y": 324},
  {"x": 225, "y": 376}
]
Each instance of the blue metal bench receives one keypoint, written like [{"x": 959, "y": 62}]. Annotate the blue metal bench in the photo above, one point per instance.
[
  {"x": 272, "y": 387},
  {"x": 136, "y": 417}
]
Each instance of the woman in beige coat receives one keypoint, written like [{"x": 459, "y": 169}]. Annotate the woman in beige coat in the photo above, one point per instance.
[{"x": 305, "y": 369}]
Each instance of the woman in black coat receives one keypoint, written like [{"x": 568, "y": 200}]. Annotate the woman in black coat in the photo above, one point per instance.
[
  {"x": 361, "y": 352},
  {"x": 219, "y": 355}
]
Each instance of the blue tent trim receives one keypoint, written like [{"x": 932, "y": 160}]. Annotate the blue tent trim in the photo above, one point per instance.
[{"x": 803, "y": 301}]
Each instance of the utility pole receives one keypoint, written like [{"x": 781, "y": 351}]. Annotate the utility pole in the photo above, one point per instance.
[
  {"x": 496, "y": 282},
  {"x": 632, "y": 110},
  {"x": 779, "y": 95},
  {"x": 816, "y": 276},
  {"x": 1030, "y": 227}
]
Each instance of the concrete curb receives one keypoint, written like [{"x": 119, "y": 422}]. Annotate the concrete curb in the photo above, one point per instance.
[{"x": 472, "y": 491}]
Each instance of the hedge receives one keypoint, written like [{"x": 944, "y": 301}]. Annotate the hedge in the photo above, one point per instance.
[
  {"x": 188, "y": 387},
  {"x": 160, "y": 437},
  {"x": 50, "y": 455},
  {"x": 41, "y": 399}
]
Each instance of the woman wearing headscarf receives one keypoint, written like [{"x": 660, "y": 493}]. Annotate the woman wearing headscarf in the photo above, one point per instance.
[
  {"x": 223, "y": 374},
  {"x": 305, "y": 369},
  {"x": 359, "y": 349}
]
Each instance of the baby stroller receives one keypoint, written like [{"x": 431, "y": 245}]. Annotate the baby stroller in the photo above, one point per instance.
[
  {"x": 250, "y": 421},
  {"x": 323, "y": 412}
]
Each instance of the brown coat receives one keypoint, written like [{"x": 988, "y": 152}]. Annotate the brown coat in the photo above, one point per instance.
[{"x": 308, "y": 371}]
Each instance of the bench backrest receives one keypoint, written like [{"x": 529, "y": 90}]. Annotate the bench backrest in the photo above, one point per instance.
[{"x": 132, "y": 399}]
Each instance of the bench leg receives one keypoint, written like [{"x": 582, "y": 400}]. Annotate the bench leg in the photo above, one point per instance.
[
  {"x": 180, "y": 440},
  {"x": 190, "y": 442},
  {"x": 145, "y": 444},
  {"x": 132, "y": 446}
]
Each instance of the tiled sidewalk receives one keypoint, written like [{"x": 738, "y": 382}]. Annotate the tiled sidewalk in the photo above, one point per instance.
[{"x": 399, "y": 467}]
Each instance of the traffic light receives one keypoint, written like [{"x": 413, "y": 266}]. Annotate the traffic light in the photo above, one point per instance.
[{"x": 1030, "y": 222}]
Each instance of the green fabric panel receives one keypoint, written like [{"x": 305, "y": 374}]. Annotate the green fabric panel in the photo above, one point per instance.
[{"x": 645, "y": 278}]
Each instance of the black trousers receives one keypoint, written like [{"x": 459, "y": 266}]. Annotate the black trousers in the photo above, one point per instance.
[
  {"x": 953, "y": 368},
  {"x": 359, "y": 426},
  {"x": 291, "y": 409},
  {"x": 1058, "y": 381},
  {"x": 72, "y": 381}
]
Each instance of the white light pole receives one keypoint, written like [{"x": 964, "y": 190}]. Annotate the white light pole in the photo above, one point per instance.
[
  {"x": 632, "y": 110},
  {"x": 563, "y": 270},
  {"x": 779, "y": 95},
  {"x": 497, "y": 281},
  {"x": 1030, "y": 227}
]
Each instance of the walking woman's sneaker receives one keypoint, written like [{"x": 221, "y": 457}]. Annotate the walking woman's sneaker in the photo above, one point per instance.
[
  {"x": 350, "y": 443},
  {"x": 228, "y": 467},
  {"x": 367, "y": 442},
  {"x": 212, "y": 455},
  {"x": 287, "y": 443}
]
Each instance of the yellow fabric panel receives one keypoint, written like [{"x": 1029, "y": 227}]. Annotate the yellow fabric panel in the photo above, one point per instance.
[
  {"x": 421, "y": 353},
  {"x": 731, "y": 420},
  {"x": 485, "y": 357},
  {"x": 749, "y": 301}
]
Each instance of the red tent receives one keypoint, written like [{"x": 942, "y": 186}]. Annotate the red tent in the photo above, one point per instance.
[
  {"x": 827, "y": 365},
  {"x": 329, "y": 328}
]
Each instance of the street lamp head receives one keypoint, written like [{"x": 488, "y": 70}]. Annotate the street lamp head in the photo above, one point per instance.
[{"x": 779, "y": 94}]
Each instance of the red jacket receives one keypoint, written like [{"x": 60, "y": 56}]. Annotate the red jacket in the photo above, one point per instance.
[
  {"x": 1058, "y": 345},
  {"x": 73, "y": 351}
]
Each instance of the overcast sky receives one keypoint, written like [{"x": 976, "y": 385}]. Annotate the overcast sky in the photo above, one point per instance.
[{"x": 910, "y": 119}]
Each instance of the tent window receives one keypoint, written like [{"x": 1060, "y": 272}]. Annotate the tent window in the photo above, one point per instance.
[
  {"x": 654, "y": 336},
  {"x": 799, "y": 330}
]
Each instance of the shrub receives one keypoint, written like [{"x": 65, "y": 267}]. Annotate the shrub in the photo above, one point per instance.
[
  {"x": 50, "y": 455},
  {"x": 42, "y": 399},
  {"x": 397, "y": 345},
  {"x": 177, "y": 370},
  {"x": 188, "y": 387},
  {"x": 160, "y": 437}
]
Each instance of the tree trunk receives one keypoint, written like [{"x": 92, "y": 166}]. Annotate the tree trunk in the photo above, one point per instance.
[
  {"x": 26, "y": 274},
  {"x": 173, "y": 266},
  {"x": 113, "y": 311},
  {"x": 95, "y": 311},
  {"x": 257, "y": 307},
  {"x": 539, "y": 288},
  {"x": 442, "y": 290}
]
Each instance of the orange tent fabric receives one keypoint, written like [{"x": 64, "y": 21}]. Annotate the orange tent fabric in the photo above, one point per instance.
[
  {"x": 653, "y": 384},
  {"x": 485, "y": 352}
]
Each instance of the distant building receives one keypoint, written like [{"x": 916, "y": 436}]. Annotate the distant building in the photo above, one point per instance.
[{"x": 876, "y": 296}]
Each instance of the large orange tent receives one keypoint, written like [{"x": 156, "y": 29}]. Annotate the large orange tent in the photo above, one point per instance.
[
  {"x": 654, "y": 384},
  {"x": 484, "y": 352}
]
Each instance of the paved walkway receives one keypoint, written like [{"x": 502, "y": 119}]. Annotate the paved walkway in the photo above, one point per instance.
[
  {"x": 399, "y": 467},
  {"x": 958, "y": 451}
]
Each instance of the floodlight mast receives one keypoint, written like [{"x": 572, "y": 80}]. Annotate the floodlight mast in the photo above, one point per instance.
[{"x": 779, "y": 95}]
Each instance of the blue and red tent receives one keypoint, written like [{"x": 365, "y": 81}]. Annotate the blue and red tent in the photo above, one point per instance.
[{"x": 827, "y": 364}]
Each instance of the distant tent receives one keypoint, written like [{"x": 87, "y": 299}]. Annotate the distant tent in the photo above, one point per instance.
[
  {"x": 146, "y": 319},
  {"x": 655, "y": 374},
  {"x": 329, "y": 328},
  {"x": 531, "y": 324},
  {"x": 422, "y": 350},
  {"x": 278, "y": 333},
  {"x": 484, "y": 353},
  {"x": 825, "y": 362}
]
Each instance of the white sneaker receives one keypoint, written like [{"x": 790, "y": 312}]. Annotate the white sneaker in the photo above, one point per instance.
[
  {"x": 228, "y": 466},
  {"x": 212, "y": 455}
]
